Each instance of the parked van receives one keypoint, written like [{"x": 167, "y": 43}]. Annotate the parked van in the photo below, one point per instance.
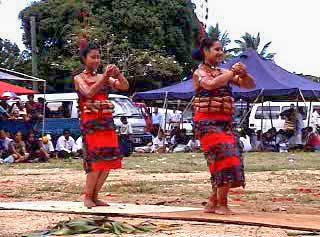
[
  {"x": 268, "y": 115},
  {"x": 63, "y": 114}
]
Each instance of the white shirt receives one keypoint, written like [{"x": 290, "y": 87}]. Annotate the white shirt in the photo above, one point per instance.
[
  {"x": 193, "y": 144},
  {"x": 48, "y": 147},
  {"x": 315, "y": 119},
  {"x": 126, "y": 129},
  {"x": 159, "y": 143},
  {"x": 246, "y": 143},
  {"x": 79, "y": 143},
  {"x": 175, "y": 117},
  {"x": 156, "y": 118},
  {"x": 66, "y": 145}
]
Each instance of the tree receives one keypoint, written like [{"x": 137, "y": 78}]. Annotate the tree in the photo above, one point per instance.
[
  {"x": 9, "y": 54},
  {"x": 249, "y": 41},
  {"x": 11, "y": 57},
  {"x": 164, "y": 30}
]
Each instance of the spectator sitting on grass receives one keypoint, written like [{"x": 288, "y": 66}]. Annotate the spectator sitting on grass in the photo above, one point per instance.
[
  {"x": 159, "y": 143},
  {"x": 281, "y": 141},
  {"x": 47, "y": 146},
  {"x": 313, "y": 140},
  {"x": 180, "y": 141},
  {"x": 66, "y": 146},
  {"x": 193, "y": 145},
  {"x": 34, "y": 148},
  {"x": 17, "y": 150},
  {"x": 269, "y": 142},
  {"x": 245, "y": 140},
  {"x": 4, "y": 146}
]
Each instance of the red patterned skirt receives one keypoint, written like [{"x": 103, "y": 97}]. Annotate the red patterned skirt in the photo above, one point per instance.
[
  {"x": 100, "y": 142},
  {"x": 221, "y": 148}
]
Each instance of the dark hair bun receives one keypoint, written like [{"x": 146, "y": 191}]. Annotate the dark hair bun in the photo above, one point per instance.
[{"x": 197, "y": 55}]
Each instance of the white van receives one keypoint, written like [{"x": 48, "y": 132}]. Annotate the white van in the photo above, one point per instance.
[
  {"x": 70, "y": 119},
  {"x": 268, "y": 115}
]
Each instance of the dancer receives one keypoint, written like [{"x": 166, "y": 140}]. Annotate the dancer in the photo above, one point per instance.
[
  {"x": 214, "y": 107},
  {"x": 100, "y": 142}
]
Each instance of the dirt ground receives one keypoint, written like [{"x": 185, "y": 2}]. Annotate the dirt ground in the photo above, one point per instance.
[{"x": 289, "y": 191}]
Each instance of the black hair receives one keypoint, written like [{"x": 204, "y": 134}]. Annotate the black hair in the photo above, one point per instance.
[
  {"x": 84, "y": 52},
  {"x": 123, "y": 118},
  {"x": 198, "y": 54},
  {"x": 66, "y": 131}
]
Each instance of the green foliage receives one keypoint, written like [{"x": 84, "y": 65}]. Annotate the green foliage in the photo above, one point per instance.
[
  {"x": 99, "y": 226},
  {"x": 249, "y": 41},
  {"x": 131, "y": 33},
  {"x": 10, "y": 55}
]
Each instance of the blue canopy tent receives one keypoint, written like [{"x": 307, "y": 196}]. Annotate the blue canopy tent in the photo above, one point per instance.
[{"x": 273, "y": 82}]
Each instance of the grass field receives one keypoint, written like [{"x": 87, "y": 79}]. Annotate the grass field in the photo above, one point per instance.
[
  {"x": 190, "y": 162},
  {"x": 274, "y": 184}
]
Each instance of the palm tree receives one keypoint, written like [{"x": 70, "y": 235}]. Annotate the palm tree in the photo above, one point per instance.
[
  {"x": 215, "y": 32},
  {"x": 249, "y": 41}
]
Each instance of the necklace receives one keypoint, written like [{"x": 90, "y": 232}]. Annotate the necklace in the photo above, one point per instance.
[
  {"x": 211, "y": 66},
  {"x": 93, "y": 73}
]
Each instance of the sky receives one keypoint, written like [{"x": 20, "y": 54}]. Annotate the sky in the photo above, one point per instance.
[{"x": 291, "y": 25}]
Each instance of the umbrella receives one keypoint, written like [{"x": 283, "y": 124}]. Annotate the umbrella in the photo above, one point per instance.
[{"x": 18, "y": 90}]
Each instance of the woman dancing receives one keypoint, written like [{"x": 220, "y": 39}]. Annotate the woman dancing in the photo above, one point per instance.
[
  {"x": 100, "y": 141},
  {"x": 214, "y": 107}
]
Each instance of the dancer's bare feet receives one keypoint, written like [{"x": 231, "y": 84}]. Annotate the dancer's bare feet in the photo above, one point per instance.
[
  {"x": 88, "y": 202},
  {"x": 209, "y": 208},
  {"x": 211, "y": 205},
  {"x": 101, "y": 203},
  {"x": 224, "y": 210}
]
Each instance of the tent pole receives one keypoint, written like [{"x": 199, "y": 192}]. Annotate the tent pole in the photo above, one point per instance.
[
  {"x": 262, "y": 114},
  {"x": 44, "y": 107},
  {"x": 309, "y": 115},
  {"x": 249, "y": 111},
  {"x": 165, "y": 107},
  {"x": 270, "y": 114}
]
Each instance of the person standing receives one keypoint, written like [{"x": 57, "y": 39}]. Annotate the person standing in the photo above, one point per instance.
[
  {"x": 157, "y": 120},
  {"x": 125, "y": 137},
  {"x": 175, "y": 118},
  {"x": 299, "y": 126},
  {"x": 214, "y": 108},
  {"x": 100, "y": 141}
]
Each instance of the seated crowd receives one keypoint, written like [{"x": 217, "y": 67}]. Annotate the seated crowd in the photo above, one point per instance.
[
  {"x": 282, "y": 140},
  {"x": 175, "y": 141},
  {"x": 17, "y": 148}
]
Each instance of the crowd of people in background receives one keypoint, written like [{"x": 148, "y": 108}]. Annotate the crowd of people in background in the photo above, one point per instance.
[
  {"x": 29, "y": 148},
  {"x": 17, "y": 148},
  {"x": 31, "y": 110},
  {"x": 293, "y": 136}
]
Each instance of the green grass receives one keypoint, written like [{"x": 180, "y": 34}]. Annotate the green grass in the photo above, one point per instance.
[
  {"x": 254, "y": 162},
  {"x": 185, "y": 163},
  {"x": 146, "y": 186}
]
